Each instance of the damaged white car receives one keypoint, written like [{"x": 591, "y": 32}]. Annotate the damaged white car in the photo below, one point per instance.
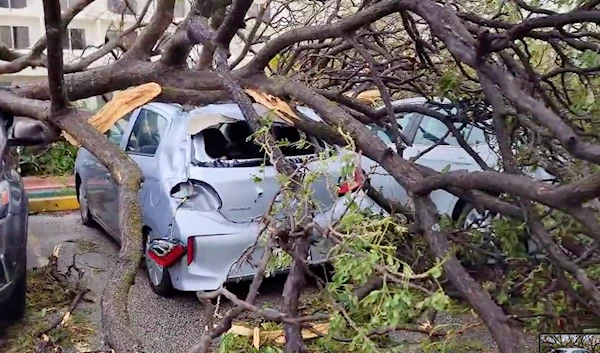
[{"x": 205, "y": 189}]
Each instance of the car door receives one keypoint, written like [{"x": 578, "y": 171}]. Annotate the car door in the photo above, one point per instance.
[
  {"x": 447, "y": 155},
  {"x": 98, "y": 181},
  {"x": 143, "y": 138},
  {"x": 379, "y": 178}
]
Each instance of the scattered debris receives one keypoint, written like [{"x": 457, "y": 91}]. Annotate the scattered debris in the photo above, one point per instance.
[
  {"x": 51, "y": 321},
  {"x": 277, "y": 336}
]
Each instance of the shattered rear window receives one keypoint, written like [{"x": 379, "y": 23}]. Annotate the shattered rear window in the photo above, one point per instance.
[{"x": 234, "y": 141}]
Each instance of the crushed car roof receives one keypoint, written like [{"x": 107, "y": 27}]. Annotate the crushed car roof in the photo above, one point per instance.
[{"x": 215, "y": 114}]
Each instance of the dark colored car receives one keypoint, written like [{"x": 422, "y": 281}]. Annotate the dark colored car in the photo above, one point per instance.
[{"x": 14, "y": 215}]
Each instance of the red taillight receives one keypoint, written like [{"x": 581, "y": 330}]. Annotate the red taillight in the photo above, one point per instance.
[
  {"x": 190, "y": 250},
  {"x": 354, "y": 184},
  {"x": 165, "y": 253}
]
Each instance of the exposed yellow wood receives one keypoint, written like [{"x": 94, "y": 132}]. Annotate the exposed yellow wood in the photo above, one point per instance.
[
  {"x": 280, "y": 107},
  {"x": 276, "y": 336},
  {"x": 371, "y": 97},
  {"x": 241, "y": 330},
  {"x": 256, "y": 338},
  {"x": 122, "y": 103},
  {"x": 308, "y": 334}
]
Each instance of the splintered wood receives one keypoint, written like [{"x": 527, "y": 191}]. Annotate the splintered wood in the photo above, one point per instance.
[
  {"x": 371, "y": 97},
  {"x": 277, "y": 336},
  {"x": 280, "y": 107},
  {"x": 123, "y": 103}
]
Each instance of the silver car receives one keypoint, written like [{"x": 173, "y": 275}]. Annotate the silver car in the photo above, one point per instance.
[
  {"x": 205, "y": 189},
  {"x": 424, "y": 132}
]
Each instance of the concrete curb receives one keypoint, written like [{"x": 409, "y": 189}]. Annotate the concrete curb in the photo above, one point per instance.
[
  {"x": 54, "y": 194},
  {"x": 53, "y": 204}
]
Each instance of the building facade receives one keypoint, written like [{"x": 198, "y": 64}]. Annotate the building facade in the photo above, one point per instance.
[{"x": 22, "y": 24}]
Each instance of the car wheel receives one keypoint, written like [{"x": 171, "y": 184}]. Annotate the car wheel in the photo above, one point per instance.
[
  {"x": 158, "y": 277},
  {"x": 13, "y": 308},
  {"x": 473, "y": 219},
  {"x": 84, "y": 208}
]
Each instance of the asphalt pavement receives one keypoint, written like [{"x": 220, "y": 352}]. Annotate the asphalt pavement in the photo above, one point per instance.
[{"x": 166, "y": 325}]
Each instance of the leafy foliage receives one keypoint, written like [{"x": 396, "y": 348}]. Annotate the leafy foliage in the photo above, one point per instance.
[{"x": 58, "y": 159}]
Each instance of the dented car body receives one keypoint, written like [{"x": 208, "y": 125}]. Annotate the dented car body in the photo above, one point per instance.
[{"x": 205, "y": 189}]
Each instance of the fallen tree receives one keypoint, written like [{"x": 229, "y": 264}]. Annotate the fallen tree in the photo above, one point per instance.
[{"x": 533, "y": 68}]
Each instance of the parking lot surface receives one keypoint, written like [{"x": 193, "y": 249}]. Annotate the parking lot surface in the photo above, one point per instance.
[{"x": 166, "y": 325}]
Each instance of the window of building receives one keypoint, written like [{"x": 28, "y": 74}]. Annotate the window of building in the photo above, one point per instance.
[
  {"x": 127, "y": 7},
  {"x": 74, "y": 39},
  {"x": 127, "y": 40},
  {"x": 147, "y": 133},
  {"x": 111, "y": 34},
  {"x": 13, "y": 4},
  {"x": 255, "y": 8},
  {"x": 15, "y": 37},
  {"x": 65, "y": 4},
  {"x": 179, "y": 10}
]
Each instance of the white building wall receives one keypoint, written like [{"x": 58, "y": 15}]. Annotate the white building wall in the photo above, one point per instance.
[{"x": 96, "y": 19}]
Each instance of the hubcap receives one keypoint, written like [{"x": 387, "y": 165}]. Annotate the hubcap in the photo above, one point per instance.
[
  {"x": 83, "y": 205},
  {"x": 476, "y": 220},
  {"x": 155, "y": 271},
  {"x": 482, "y": 223}
]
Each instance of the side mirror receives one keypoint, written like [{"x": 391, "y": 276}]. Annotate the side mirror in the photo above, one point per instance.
[{"x": 29, "y": 132}]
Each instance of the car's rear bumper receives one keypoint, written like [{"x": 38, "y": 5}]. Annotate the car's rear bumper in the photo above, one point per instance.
[{"x": 216, "y": 254}]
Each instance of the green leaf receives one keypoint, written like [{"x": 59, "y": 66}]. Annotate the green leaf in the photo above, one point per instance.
[
  {"x": 436, "y": 272},
  {"x": 439, "y": 301},
  {"x": 502, "y": 298},
  {"x": 446, "y": 169}
]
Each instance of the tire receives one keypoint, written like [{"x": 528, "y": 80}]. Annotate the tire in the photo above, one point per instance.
[
  {"x": 13, "y": 308},
  {"x": 84, "y": 208},
  {"x": 158, "y": 278}
]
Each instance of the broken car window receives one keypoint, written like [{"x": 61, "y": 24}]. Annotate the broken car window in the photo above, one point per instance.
[
  {"x": 115, "y": 133},
  {"x": 385, "y": 135},
  {"x": 431, "y": 130},
  {"x": 234, "y": 141},
  {"x": 147, "y": 132}
]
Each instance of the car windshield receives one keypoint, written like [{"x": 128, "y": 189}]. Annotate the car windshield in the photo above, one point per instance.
[
  {"x": 384, "y": 134},
  {"x": 234, "y": 141},
  {"x": 431, "y": 130}
]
